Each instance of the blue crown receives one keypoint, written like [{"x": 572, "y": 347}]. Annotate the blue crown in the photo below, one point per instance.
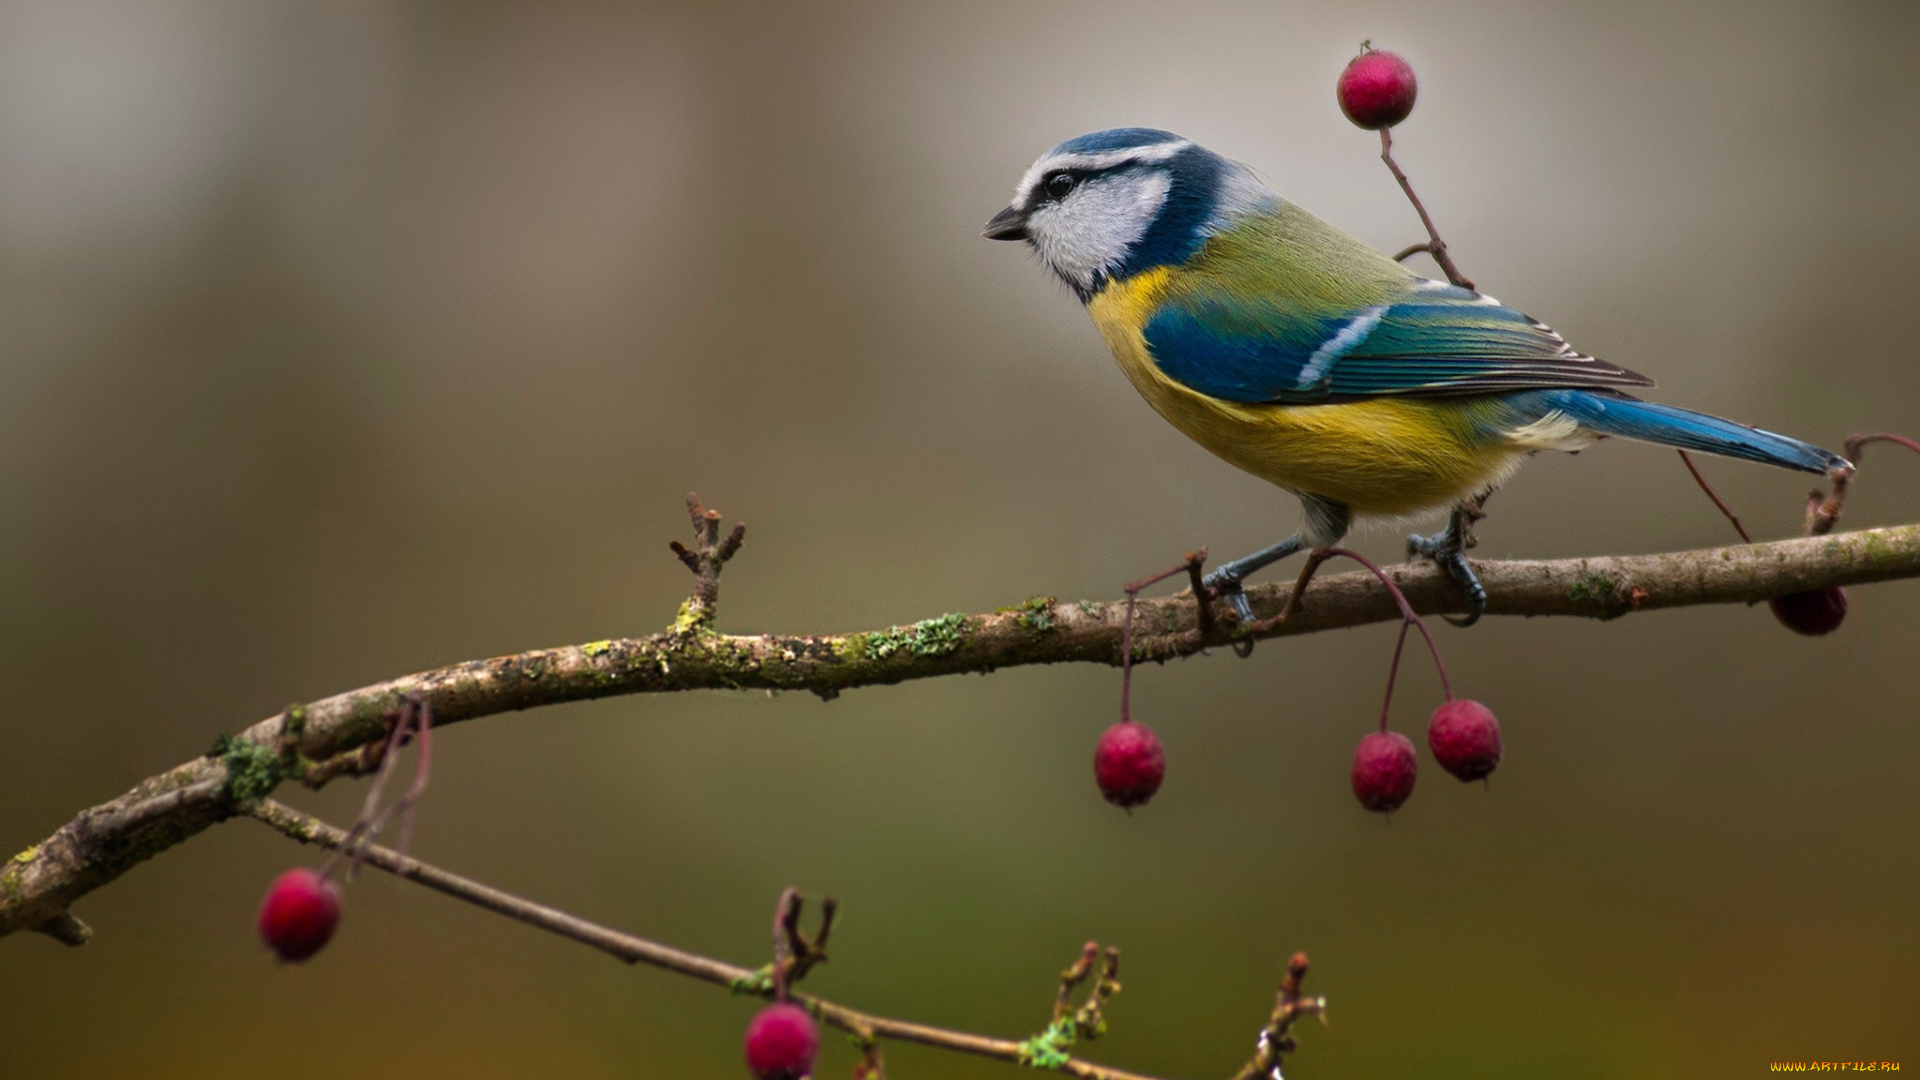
[{"x": 1127, "y": 138}]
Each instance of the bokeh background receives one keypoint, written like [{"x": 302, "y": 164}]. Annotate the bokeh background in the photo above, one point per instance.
[{"x": 347, "y": 339}]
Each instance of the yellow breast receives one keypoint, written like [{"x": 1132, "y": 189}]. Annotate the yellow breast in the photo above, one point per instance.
[{"x": 1386, "y": 455}]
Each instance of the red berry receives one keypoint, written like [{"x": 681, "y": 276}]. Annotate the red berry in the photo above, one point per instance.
[
  {"x": 782, "y": 1043},
  {"x": 299, "y": 913},
  {"x": 1383, "y": 770},
  {"x": 1811, "y": 613},
  {"x": 1465, "y": 739},
  {"x": 1377, "y": 89},
  {"x": 1129, "y": 764}
]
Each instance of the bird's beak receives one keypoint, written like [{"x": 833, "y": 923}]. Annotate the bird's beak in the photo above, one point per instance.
[{"x": 1008, "y": 224}]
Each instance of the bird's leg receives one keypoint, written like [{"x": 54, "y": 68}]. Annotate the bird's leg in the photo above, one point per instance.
[
  {"x": 1326, "y": 522},
  {"x": 1226, "y": 581},
  {"x": 1448, "y": 550}
]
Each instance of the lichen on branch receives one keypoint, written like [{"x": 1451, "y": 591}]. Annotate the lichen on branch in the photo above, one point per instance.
[{"x": 332, "y": 737}]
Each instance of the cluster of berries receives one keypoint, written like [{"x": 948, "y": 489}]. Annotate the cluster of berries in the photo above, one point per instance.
[
  {"x": 1129, "y": 762},
  {"x": 1464, "y": 738}
]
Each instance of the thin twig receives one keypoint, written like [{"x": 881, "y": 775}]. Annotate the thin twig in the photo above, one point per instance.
[
  {"x": 1277, "y": 1038},
  {"x": 709, "y": 553},
  {"x": 1070, "y": 979},
  {"x": 1824, "y": 513},
  {"x": 1090, "y": 1019},
  {"x": 638, "y": 950},
  {"x": 794, "y": 953},
  {"x": 1202, "y": 596},
  {"x": 1436, "y": 247}
]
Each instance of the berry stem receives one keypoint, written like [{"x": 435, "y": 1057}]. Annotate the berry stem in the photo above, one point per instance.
[
  {"x": 1190, "y": 567},
  {"x": 1715, "y": 496},
  {"x": 1407, "y": 615},
  {"x": 412, "y": 714},
  {"x": 421, "y": 716},
  {"x": 1393, "y": 669},
  {"x": 1856, "y": 443},
  {"x": 1437, "y": 247}
]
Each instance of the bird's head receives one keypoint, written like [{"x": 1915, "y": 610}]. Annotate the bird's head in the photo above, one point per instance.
[{"x": 1106, "y": 206}]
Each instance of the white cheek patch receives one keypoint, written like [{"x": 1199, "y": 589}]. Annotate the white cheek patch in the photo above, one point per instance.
[{"x": 1094, "y": 228}]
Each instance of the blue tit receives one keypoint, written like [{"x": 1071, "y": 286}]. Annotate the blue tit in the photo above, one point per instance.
[{"x": 1303, "y": 356}]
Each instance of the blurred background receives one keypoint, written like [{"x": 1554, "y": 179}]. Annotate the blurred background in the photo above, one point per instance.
[{"x": 348, "y": 339}]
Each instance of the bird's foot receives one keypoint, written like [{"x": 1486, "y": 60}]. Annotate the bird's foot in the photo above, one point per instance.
[
  {"x": 1448, "y": 552},
  {"x": 1227, "y": 582},
  {"x": 1228, "y": 588}
]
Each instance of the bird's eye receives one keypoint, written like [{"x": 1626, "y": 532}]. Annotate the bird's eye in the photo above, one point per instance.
[{"x": 1059, "y": 184}]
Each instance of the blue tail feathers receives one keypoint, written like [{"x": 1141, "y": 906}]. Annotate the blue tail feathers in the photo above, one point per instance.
[{"x": 1629, "y": 418}]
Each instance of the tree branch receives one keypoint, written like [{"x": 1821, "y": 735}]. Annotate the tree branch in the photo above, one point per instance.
[
  {"x": 638, "y": 950},
  {"x": 340, "y": 735}
]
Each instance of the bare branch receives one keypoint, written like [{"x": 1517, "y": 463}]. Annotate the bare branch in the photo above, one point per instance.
[
  {"x": 638, "y": 950},
  {"x": 317, "y": 742}
]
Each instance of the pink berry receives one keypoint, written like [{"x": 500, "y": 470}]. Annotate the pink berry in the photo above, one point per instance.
[
  {"x": 299, "y": 913},
  {"x": 1129, "y": 764},
  {"x": 1377, "y": 89},
  {"x": 1811, "y": 613},
  {"x": 1465, "y": 739},
  {"x": 1383, "y": 770},
  {"x": 782, "y": 1043}
]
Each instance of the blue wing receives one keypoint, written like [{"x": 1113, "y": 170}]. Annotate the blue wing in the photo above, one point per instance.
[{"x": 1427, "y": 340}]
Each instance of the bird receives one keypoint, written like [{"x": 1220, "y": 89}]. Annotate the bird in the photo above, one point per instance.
[{"x": 1304, "y": 356}]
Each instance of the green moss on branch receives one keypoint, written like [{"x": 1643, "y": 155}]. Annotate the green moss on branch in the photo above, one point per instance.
[{"x": 100, "y": 844}]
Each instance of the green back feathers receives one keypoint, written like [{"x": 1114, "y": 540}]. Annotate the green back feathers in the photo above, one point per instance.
[{"x": 1283, "y": 307}]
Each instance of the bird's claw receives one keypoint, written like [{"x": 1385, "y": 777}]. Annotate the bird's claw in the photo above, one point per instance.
[
  {"x": 1445, "y": 549},
  {"x": 1227, "y": 587},
  {"x": 1469, "y": 582}
]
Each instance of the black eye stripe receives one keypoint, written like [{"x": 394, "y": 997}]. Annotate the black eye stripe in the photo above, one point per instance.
[
  {"x": 1059, "y": 184},
  {"x": 1076, "y": 178}
]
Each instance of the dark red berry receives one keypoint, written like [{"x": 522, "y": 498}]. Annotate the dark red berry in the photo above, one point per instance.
[
  {"x": 1129, "y": 764},
  {"x": 1383, "y": 770},
  {"x": 1465, "y": 739},
  {"x": 782, "y": 1043},
  {"x": 1377, "y": 89},
  {"x": 1811, "y": 613},
  {"x": 299, "y": 913}
]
